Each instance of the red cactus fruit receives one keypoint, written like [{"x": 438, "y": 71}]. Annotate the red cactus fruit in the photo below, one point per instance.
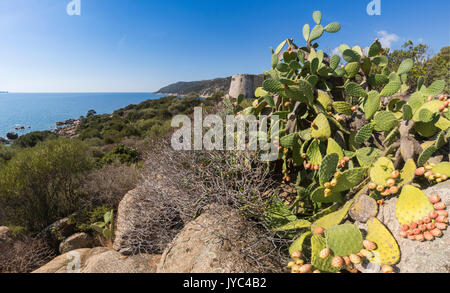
[
  {"x": 442, "y": 213},
  {"x": 442, "y": 219},
  {"x": 420, "y": 237},
  {"x": 422, "y": 228},
  {"x": 416, "y": 231},
  {"x": 431, "y": 226},
  {"x": 369, "y": 245},
  {"x": 428, "y": 236},
  {"x": 409, "y": 233},
  {"x": 435, "y": 198},
  {"x": 403, "y": 234},
  {"x": 420, "y": 222},
  {"x": 441, "y": 226},
  {"x": 387, "y": 269},
  {"x": 433, "y": 215},
  {"x": 412, "y": 237},
  {"x": 426, "y": 220},
  {"x": 347, "y": 260},
  {"x": 420, "y": 171},
  {"x": 413, "y": 225},
  {"x": 337, "y": 262},
  {"x": 318, "y": 230},
  {"x": 436, "y": 232},
  {"x": 439, "y": 206},
  {"x": 405, "y": 228}
]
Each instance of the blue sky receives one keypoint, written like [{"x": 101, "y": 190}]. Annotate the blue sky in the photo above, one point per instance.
[{"x": 142, "y": 45}]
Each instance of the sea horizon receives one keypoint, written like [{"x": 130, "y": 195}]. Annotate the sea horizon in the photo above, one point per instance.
[{"x": 39, "y": 111}]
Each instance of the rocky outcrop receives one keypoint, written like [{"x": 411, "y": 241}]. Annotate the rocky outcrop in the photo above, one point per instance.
[
  {"x": 12, "y": 135},
  {"x": 100, "y": 260},
  {"x": 212, "y": 243},
  {"x": 145, "y": 223},
  {"x": 76, "y": 241},
  {"x": 67, "y": 128},
  {"x": 417, "y": 257},
  {"x": 57, "y": 232},
  {"x": 244, "y": 84}
]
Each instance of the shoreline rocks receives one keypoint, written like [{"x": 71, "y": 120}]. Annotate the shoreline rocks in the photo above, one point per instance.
[{"x": 12, "y": 135}]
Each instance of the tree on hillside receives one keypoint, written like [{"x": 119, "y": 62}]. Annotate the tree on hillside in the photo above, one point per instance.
[
  {"x": 438, "y": 67},
  {"x": 431, "y": 69}
]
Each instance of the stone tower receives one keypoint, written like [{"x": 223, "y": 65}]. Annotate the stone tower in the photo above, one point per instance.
[{"x": 244, "y": 84}]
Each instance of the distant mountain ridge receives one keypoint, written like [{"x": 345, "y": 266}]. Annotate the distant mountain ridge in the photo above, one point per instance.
[{"x": 204, "y": 88}]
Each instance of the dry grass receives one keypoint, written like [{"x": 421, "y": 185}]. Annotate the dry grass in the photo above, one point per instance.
[
  {"x": 25, "y": 256},
  {"x": 177, "y": 187}
]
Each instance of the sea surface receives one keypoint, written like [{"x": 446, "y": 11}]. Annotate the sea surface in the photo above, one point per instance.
[{"x": 41, "y": 111}]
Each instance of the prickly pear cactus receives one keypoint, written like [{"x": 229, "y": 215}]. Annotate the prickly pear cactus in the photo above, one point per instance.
[{"x": 345, "y": 136}]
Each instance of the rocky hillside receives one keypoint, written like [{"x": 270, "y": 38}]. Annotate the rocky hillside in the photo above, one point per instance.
[{"x": 203, "y": 88}]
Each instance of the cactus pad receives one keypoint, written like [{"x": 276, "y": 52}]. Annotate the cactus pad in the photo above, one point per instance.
[
  {"x": 297, "y": 245},
  {"x": 434, "y": 89},
  {"x": 364, "y": 133},
  {"x": 322, "y": 129},
  {"x": 343, "y": 108},
  {"x": 328, "y": 167},
  {"x": 318, "y": 243},
  {"x": 412, "y": 205},
  {"x": 350, "y": 178},
  {"x": 289, "y": 141},
  {"x": 426, "y": 155},
  {"x": 313, "y": 153},
  {"x": 318, "y": 195},
  {"x": 355, "y": 90},
  {"x": 366, "y": 156},
  {"x": 381, "y": 171},
  {"x": 371, "y": 104},
  {"x": 385, "y": 121},
  {"x": 334, "y": 147},
  {"x": 387, "y": 251},
  {"x": 344, "y": 239},
  {"x": 408, "y": 172},
  {"x": 391, "y": 88},
  {"x": 294, "y": 225},
  {"x": 442, "y": 168},
  {"x": 334, "y": 218},
  {"x": 272, "y": 86}
]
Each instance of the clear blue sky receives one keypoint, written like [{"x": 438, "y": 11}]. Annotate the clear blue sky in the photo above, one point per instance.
[{"x": 142, "y": 45}]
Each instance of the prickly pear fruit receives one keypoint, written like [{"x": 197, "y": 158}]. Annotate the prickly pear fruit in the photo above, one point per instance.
[
  {"x": 369, "y": 245},
  {"x": 324, "y": 253},
  {"x": 439, "y": 206},
  {"x": 435, "y": 198},
  {"x": 387, "y": 269},
  {"x": 337, "y": 262}
]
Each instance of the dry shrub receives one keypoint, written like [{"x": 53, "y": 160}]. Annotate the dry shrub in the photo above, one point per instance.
[
  {"x": 108, "y": 185},
  {"x": 26, "y": 255},
  {"x": 179, "y": 185}
]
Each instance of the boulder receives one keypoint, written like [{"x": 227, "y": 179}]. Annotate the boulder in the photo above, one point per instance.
[
  {"x": 12, "y": 135},
  {"x": 57, "y": 232},
  {"x": 3, "y": 140},
  {"x": 145, "y": 223},
  {"x": 100, "y": 260},
  {"x": 76, "y": 241},
  {"x": 215, "y": 242},
  {"x": 417, "y": 257}
]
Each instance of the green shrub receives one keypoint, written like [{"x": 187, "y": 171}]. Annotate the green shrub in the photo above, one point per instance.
[
  {"x": 38, "y": 185},
  {"x": 122, "y": 153},
  {"x": 33, "y": 138}
]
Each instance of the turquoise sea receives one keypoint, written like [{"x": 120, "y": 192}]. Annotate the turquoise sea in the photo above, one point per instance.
[{"x": 40, "y": 111}]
